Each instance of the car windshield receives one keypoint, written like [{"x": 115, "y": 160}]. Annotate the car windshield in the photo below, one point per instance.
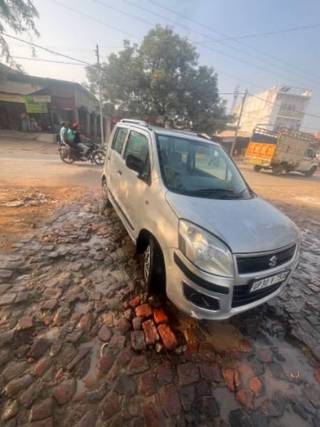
[{"x": 199, "y": 169}]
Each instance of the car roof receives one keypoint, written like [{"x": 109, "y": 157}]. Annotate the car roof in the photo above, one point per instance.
[{"x": 138, "y": 124}]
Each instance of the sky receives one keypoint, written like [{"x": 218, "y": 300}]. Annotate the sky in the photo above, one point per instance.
[{"x": 216, "y": 27}]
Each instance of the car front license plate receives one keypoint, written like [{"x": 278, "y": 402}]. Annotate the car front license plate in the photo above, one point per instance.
[{"x": 269, "y": 281}]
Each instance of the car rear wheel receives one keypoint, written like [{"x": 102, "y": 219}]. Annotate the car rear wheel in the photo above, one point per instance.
[
  {"x": 105, "y": 198},
  {"x": 311, "y": 171},
  {"x": 154, "y": 268},
  {"x": 278, "y": 170},
  {"x": 257, "y": 168}
]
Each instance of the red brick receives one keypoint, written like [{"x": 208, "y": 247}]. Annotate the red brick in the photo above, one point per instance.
[
  {"x": 137, "y": 340},
  {"x": 150, "y": 332},
  {"x": 211, "y": 372},
  {"x": 317, "y": 375},
  {"x": 42, "y": 366},
  {"x": 245, "y": 372},
  {"x": 231, "y": 378},
  {"x": 169, "y": 400},
  {"x": 143, "y": 310},
  {"x": 159, "y": 316},
  {"x": 105, "y": 364},
  {"x": 245, "y": 346},
  {"x": 41, "y": 410},
  {"x": 191, "y": 339},
  {"x": 245, "y": 397},
  {"x": 188, "y": 373},
  {"x": 153, "y": 416},
  {"x": 168, "y": 337},
  {"x": 164, "y": 373},
  {"x": 255, "y": 385},
  {"x": 264, "y": 356},
  {"x": 134, "y": 302},
  {"x": 147, "y": 384},
  {"x": 64, "y": 392},
  {"x": 86, "y": 322},
  {"x": 25, "y": 323},
  {"x": 111, "y": 406}
]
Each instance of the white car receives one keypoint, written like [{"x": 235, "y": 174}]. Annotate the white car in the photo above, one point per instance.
[{"x": 209, "y": 242}]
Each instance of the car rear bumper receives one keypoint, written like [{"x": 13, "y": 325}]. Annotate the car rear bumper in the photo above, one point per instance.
[{"x": 205, "y": 296}]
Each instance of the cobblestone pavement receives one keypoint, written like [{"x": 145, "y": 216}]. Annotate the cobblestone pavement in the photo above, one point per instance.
[{"x": 71, "y": 308}]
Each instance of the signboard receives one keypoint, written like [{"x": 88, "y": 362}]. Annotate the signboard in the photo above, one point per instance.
[{"x": 35, "y": 107}]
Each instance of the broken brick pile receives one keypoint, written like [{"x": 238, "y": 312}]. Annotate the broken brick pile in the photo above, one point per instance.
[{"x": 150, "y": 327}]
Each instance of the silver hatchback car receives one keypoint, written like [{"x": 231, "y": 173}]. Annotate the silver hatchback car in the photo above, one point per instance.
[{"x": 209, "y": 242}]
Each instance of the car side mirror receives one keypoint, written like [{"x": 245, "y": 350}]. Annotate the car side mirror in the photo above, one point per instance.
[{"x": 134, "y": 163}]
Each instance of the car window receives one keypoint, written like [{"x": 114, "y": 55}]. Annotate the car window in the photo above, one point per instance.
[
  {"x": 138, "y": 147},
  {"x": 119, "y": 139},
  {"x": 199, "y": 169}
]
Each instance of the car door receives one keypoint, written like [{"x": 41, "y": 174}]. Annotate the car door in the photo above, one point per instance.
[
  {"x": 135, "y": 187},
  {"x": 115, "y": 162}
]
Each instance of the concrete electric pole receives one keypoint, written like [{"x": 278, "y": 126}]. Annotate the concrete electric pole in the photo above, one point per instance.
[
  {"x": 244, "y": 97},
  {"x": 100, "y": 94}
]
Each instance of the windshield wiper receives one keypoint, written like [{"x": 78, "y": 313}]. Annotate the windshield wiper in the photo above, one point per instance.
[{"x": 212, "y": 192}]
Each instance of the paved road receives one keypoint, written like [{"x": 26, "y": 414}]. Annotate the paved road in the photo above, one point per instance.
[{"x": 38, "y": 164}]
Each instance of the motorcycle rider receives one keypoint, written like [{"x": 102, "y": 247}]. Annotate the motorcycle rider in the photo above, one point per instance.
[
  {"x": 74, "y": 139},
  {"x": 63, "y": 132}
]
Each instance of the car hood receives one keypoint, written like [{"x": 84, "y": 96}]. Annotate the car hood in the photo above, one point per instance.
[{"x": 246, "y": 226}]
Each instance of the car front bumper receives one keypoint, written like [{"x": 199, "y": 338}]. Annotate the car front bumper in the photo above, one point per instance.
[{"x": 206, "y": 296}]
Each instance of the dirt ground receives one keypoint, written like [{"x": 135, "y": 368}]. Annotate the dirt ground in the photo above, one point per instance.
[{"x": 33, "y": 183}]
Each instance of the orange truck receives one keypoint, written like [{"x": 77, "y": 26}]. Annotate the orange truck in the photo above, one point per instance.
[{"x": 282, "y": 152}]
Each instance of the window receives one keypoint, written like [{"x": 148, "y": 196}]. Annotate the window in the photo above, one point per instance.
[
  {"x": 199, "y": 169},
  {"x": 138, "y": 147},
  {"x": 119, "y": 139}
]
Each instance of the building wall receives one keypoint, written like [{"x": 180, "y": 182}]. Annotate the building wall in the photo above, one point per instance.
[{"x": 276, "y": 108}]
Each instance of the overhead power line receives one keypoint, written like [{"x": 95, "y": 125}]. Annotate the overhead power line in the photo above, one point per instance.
[
  {"x": 221, "y": 34},
  {"x": 38, "y": 46},
  {"x": 274, "y": 103},
  {"x": 270, "y": 33},
  {"x": 31, "y": 58}
]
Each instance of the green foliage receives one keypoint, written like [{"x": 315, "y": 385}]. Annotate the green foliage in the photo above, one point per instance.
[
  {"x": 17, "y": 16},
  {"x": 161, "y": 77}
]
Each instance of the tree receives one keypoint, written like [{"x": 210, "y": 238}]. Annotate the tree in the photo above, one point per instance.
[
  {"x": 18, "y": 16},
  {"x": 162, "y": 77}
]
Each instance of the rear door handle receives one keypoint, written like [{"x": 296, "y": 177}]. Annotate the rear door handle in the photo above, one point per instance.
[{"x": 119, "y": 173}]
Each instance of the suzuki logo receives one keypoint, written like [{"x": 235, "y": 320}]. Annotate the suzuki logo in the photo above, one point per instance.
[{"x": 273, "y": 261}]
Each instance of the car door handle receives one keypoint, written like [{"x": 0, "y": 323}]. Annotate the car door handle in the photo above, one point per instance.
[{"x": 119, "y": 173}]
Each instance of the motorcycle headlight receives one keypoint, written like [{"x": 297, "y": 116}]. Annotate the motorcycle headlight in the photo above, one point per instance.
[{"x": 205, "y": 250}]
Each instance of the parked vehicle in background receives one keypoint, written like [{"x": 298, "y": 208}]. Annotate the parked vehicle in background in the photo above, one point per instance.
[
  {"x": 282, "y": 152},
  {"x": 208, "y": 241}
]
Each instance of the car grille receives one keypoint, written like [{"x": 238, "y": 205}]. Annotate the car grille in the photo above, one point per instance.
[
  {"x": 242, "y": 295},
  {"x": 261, "y": 262}
]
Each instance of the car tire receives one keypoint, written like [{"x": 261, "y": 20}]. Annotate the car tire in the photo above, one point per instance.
[
  {"x": 311, "y": 171},
  {"x": 154, "y": 269},
  {"x": 257, "y": 168},
  {"x": 105, "y": 198},
  {"x": 278, "y": 170}
]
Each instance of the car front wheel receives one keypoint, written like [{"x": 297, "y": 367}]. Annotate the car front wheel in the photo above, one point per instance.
[{"x": 153, "y": 268}]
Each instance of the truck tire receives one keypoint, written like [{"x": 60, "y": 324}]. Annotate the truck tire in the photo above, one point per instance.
[
  {"x": 311, "y": 171},
  {"x": 278, "y": 170},
  {"x": 257, "y": 168}
]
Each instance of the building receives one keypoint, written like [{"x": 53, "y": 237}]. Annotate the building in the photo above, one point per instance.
[
  {"x": 277, "y": 108},
  {"x": 30, "y": 103}
]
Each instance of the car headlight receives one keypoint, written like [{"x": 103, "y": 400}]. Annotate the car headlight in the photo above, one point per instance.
[{"x": 205, "y": 250}]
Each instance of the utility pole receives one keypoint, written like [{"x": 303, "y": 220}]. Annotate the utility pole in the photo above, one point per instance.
[
  {"x": 100, "y": 93},
  {"x": 244, "y": 97}
]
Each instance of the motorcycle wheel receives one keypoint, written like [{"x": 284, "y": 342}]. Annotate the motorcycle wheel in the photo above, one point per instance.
[
  {"x": 64, "y": 156},
  {"x": 98, "y": 157}
]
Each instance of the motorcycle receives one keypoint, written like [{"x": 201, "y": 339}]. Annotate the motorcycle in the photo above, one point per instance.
[{"x": 95, "y": 154}]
